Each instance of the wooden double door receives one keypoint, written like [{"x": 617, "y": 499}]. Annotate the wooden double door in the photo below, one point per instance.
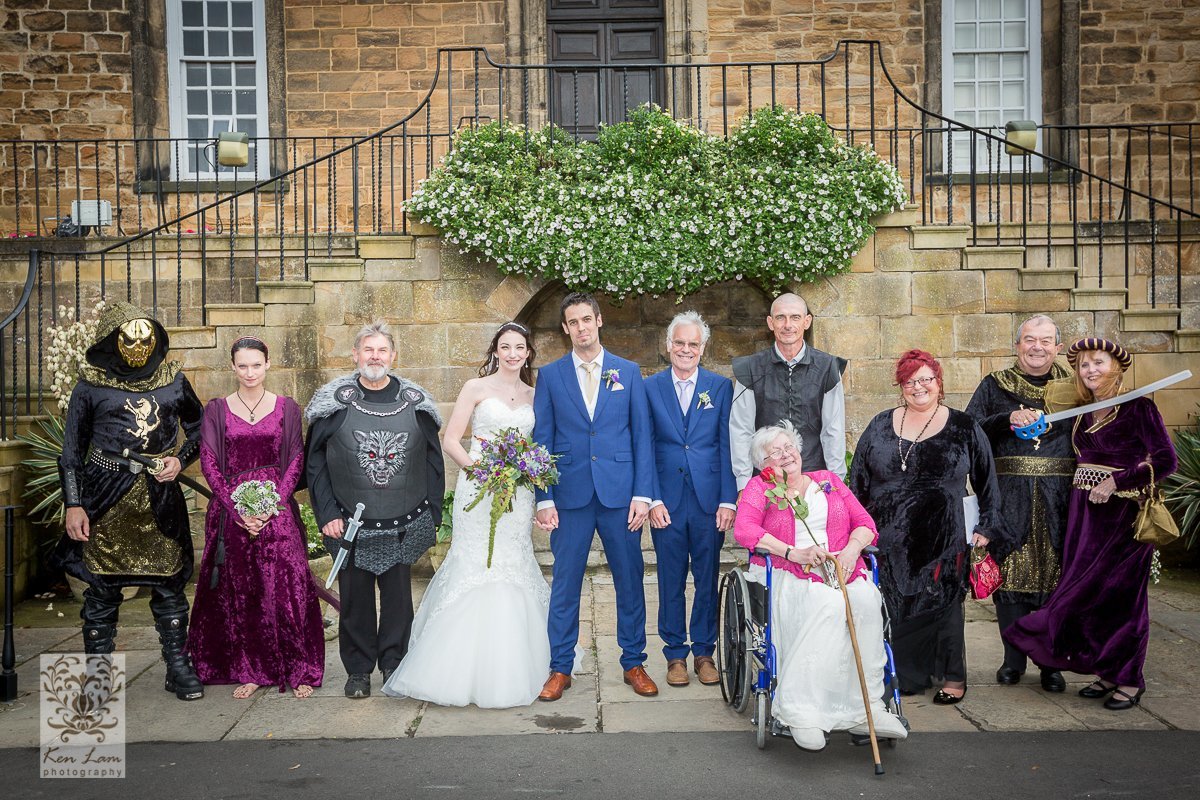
[{"x": 585, "y": 32}]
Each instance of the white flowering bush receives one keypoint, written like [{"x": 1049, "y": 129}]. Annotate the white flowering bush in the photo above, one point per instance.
[
  {"x": 68, "y": 344},
  {"x": 655, "y": 206}
]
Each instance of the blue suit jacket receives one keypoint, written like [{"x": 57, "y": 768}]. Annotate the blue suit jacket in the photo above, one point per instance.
[
  {"x": 610, "y": 455},
  {"x": 697, "y": 445}
]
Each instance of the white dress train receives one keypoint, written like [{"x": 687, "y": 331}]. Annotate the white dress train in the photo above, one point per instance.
[{"x": 479, "y": 635}]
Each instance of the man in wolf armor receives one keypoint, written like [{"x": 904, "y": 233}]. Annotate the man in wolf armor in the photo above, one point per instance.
[
  {"x": 373, "y": 439},
  {"x": 127, "y": 525}
]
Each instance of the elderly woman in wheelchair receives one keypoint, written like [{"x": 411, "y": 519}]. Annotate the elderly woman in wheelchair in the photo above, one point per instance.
[{"x": 802, "y": 520}]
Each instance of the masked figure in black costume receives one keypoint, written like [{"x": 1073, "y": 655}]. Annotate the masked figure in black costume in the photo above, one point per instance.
[{"x": 125, "y": 526}]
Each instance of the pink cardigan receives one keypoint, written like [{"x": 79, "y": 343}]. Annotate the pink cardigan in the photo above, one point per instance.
[{"x": 757, "y": 516}]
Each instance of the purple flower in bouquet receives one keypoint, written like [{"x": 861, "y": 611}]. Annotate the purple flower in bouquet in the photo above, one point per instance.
[{"x": 508, "y": 460}]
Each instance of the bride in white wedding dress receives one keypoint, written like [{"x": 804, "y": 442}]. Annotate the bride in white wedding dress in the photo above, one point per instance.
[{"x": 479, "y": 635}]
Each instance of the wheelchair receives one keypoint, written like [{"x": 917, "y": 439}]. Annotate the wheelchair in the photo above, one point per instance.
[{"x": 746, "y": 658}]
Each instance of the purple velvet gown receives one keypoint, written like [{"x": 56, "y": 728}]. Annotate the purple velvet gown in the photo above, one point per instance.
[
  {"x": 259, "y": 620},
  {"x": 1097, "y": 622}
]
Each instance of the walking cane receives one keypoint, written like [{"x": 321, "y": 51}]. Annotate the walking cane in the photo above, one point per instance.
[{"x": 862, "y": 678}]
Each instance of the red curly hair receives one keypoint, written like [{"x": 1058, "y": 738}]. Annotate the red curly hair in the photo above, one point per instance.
[{"x": 913, "y": 360}]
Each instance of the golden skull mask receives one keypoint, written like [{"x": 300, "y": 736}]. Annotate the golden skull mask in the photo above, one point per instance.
[{"x": 136, "y": 342}]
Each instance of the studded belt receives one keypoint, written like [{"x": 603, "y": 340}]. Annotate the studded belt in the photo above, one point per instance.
[
  {"x": 116, "y": 463},
  {"x": 391, "y": 523}
]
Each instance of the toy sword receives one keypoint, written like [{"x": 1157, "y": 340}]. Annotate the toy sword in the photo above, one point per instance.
[
  {"x": 352, "y": 527},
  {"x": 1041, "y": 425},
  {"x": 154, "y": 465}
]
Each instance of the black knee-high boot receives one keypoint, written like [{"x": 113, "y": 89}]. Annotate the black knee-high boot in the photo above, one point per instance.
[
  {"x": 171, "y": 621},
  {"x": 99, "y": 613}
]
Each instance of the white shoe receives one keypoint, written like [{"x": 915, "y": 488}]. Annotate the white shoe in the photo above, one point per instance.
[
  {"x": 887, "y": 726},
  {"x": 812, "y": 739}
]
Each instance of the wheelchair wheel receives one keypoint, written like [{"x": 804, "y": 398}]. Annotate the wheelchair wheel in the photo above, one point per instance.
[
  {"x": 762, "y": 712},
  {"x": 734, "y": 663}
]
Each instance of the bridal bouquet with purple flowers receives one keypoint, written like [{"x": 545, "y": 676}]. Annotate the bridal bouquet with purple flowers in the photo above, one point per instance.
[
  {"x": 507, "y": 460},
  {"x": 256, "y": 499}
]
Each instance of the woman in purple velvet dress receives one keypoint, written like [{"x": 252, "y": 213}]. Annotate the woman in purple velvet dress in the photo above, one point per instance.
[
  {"x": 256, "y": 620},
  {"x": 1097, "y": 621}
]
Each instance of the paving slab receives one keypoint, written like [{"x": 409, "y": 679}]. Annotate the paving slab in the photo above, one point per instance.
[
  {"x": 154, "y": 715},
  {"x": 286, "y": 717},
  {"x": 31, "y": 642},
  {"x": 925, "y": 717},
  {"x": 574, "y": 712},
  {"x": 711, "y": 714},
  {"x": 1096, "y": 717},
  {"x": 1016, "y": 708}
]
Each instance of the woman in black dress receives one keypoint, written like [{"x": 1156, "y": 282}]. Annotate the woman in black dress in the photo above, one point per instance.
[{"x": 910, "y": 471}]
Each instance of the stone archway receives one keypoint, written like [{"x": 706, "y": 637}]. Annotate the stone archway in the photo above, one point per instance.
[{"x": 636, "y": 329}]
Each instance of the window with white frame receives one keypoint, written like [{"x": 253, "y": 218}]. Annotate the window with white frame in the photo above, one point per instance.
[
  {"x": 217, "y": 75},
  {"x": 991, "y": 70}
]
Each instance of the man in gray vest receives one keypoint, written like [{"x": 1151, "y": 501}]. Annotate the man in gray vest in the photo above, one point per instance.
[
  {"x": 792, "y": 381},
  {"x": 373, "y": 439}
]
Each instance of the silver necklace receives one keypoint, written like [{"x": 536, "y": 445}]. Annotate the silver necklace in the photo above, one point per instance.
[
  {"x": 900, "y": 439},
  {"x": 247, "y": 406}
]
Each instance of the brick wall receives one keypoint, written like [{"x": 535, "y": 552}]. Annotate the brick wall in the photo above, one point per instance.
[
  {"x": 355, "y": 67},
  {"x": 64, "y": 69},
  {"x": 1138, "y": 61}
]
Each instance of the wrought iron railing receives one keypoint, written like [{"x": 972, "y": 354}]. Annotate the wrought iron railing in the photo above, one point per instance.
[{"x": 1129, "y": 191}]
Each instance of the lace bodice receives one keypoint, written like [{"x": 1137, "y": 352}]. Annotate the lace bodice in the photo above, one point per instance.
[{"x": 493, "y": 414}]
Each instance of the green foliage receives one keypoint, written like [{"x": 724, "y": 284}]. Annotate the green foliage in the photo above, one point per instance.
[
  {"x": 42, "y": 487},
  {"x": 313, "y": 540},
  {"x": 1182, "y": 489},
  {"x": 446, "y": 530},
  {"x": 655, "y": 206}
]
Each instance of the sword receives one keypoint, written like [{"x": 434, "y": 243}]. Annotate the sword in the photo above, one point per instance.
[
  {"x": 1042, "y": 424},
  {"x": 137, "y": 462},
  {"x": 347, "y": 537}
]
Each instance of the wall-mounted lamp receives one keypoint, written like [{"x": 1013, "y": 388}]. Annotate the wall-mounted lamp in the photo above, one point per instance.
[
  {"x": 233, "y": 149},
  {"x": 1018, "y": 134}
]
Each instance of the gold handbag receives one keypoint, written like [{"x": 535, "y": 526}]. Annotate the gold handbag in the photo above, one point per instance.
[{"x": 1154, "y": 524}]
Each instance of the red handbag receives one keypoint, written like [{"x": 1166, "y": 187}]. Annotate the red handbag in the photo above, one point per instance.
[{"x": 985, "y": 573}]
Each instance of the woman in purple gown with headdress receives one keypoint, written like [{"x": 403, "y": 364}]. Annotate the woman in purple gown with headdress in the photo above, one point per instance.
[
  {"x": 1098, "y": 621},
  {"x": 256, "y": 620}
]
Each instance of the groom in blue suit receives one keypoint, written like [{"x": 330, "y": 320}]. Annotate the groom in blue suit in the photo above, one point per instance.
[
  {"x": 590, "y": 409},
  {"x": 695, "y": 495}
]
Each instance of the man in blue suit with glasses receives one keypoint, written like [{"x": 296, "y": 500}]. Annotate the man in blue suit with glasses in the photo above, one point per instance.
[{"x": 695, "y": 495}]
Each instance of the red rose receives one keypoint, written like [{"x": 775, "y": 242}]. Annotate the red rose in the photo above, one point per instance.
[{"x": 768, "y": 474}]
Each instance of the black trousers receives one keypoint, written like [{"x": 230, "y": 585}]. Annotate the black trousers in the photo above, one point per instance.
[
  {"x": 1006, "y": 615},
  {"x": 363, "y": 642},
  {"x": 103, "y": 606}
]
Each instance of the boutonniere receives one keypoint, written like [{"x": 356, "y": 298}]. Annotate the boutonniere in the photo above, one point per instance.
[
  {"x": 612, "y": 380},
  {"x": 826, "y": 487},
  {"x": 704, "y": 400}
]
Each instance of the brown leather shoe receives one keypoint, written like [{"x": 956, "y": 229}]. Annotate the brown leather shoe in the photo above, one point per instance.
[
  {"x": 706, "y": 670},
  {"x": 676, "y": 672},
  {"x": 554, "y": 686},
  {"x": 640, "y": 681}
]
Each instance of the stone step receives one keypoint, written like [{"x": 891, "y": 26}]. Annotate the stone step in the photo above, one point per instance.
[
  {"x": 1098, "y": 299},
  {"x": 938, "y": 237},
  {"x": 196, "y": 337},
  {"x": 1137, "y": 320},
  {"x": 387, "y": 246},
  {"x": 1035, "y": 278},
  {"x": 995, "y": 257},
  {"x": 300, "y": 292},
  {"x": 238, "y": 315},
  {"x": 12, "y": 452},
  {"x": 904, "y": 218},
  {"x": 335, "y": 270},
  {"x": 1187, "y": 341}
]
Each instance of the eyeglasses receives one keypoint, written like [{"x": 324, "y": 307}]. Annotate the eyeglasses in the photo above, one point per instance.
[
  {"x": 679, "y": 344},
  {"x": 918, "y": 381},
  {"x": 779, "y": 451}
]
